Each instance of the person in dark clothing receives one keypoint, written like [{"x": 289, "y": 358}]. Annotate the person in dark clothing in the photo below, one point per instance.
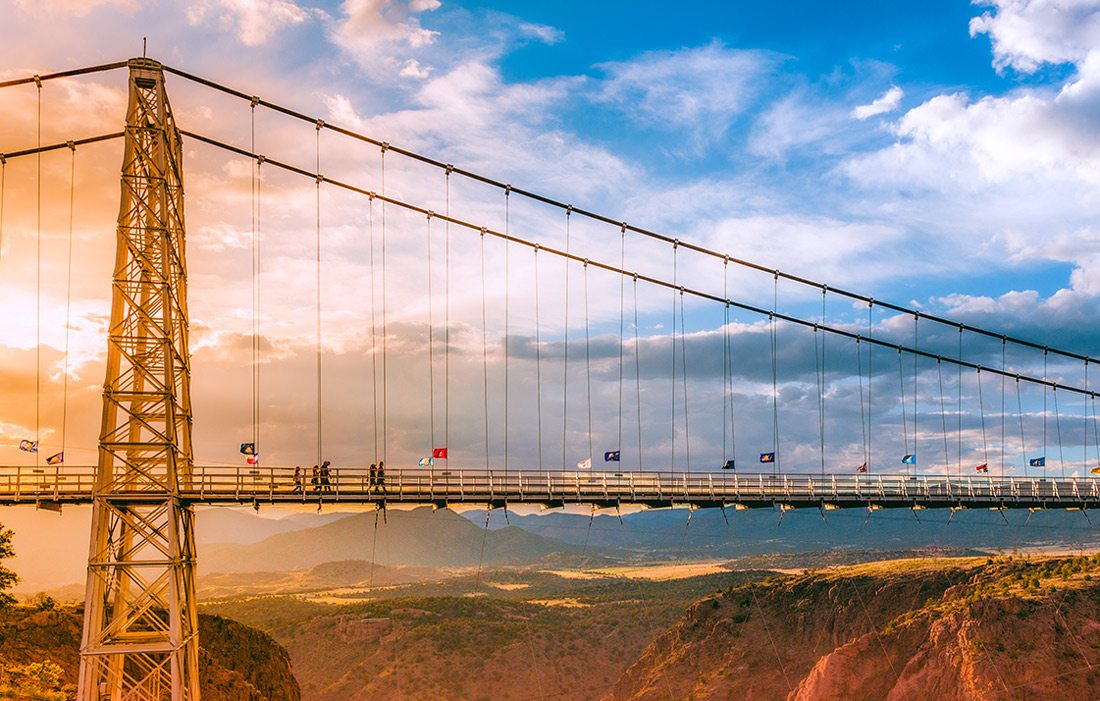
[
  {"x": 380, "y": 476},
  {"x": 325, "y": 475},
  {"x": 315, "y": 478},
  {"x": 372, "y": 475},
  {"x": 297, "y": 479}
]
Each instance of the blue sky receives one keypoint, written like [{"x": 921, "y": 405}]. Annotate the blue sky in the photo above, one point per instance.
[{"x": 944, "y": 154}]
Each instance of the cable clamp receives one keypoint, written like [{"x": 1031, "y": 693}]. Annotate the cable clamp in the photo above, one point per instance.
[
  {"x": 537, "y": 247},
  {"x": 385, "y": 146},
  {"x": 726, "y": 260},
  {"x": 450, "y": 169},
  {"x": 871, "y": 303},
  {"x": 635, "y": 275},
  {"x": 320, "y": 124},
  {"x": 430, "y": 214},
  {"x": 3, "y": 159},
  {"x": 484, "y": 231},
  {"x": 568, "y": 210},
  {"x": 261, "y": 159},
  {"x": 320, "y": 178},
  {"x": 622, "y": 228},
  {"x": 682, "y": 288},
  {"x": 675, "y": 244},
  {"x": 254, "y": 101},
  {"x": 38, "y": 81},
  {"x": 371, "y": 195},
  {"x": 824, "y": 288},
  {"x": 71, "y": 145},
  {"x": 586, "y": 262},
  {"x": 775, "y": 274},
  {"x": 507, "y": 190}
]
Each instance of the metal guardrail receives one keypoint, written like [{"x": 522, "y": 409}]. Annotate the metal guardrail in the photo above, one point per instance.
[{"x": 212, "y": 484}]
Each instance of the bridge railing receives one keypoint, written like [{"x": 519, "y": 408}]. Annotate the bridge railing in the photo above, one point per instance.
[{"x": 420, "y": 485}]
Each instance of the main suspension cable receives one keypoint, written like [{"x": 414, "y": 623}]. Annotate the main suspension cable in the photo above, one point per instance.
[
  {"x": 695, "y": 248},
  {"x": 658, "y": 282}
]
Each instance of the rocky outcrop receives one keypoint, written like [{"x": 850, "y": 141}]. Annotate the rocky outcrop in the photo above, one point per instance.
[{"x": 944, "y": 629}]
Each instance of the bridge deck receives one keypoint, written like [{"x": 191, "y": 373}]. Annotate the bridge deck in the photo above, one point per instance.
[{"x": 274, "y": 485}]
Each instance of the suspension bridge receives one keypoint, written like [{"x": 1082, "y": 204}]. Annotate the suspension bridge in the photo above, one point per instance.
[{"x": 916, "y": 384}]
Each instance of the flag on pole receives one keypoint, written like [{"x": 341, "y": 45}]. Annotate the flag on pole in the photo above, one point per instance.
[
  {"x": 28, "y": 446},
  {"x": 984, "y": 467},
  {"x": 253, "y": 460},
  {"x": 1038, "y": 462},
  {"x": 767, "y": 457},
  {"x": 728, "y": 465},
  {"x": 55, "y": 459},
  {"x": 439, "y": 453},
  {"x": 1095, "y": 470},
  {"x": 909, "y": 459},
  {"x": 426, "y": 462},
  {"x": 248, "y": 448},
  {"x": 585, "y": 464},
  {"x": 611, "y": 456},
  {"x": 862, "y": 468}
]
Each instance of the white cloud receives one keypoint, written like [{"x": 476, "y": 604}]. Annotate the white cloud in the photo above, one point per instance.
[
  {"x": 887, "y": 102},
  {"x": 698, "y": 92},
  {"x": 413, "y": 69},
  {"x": 253, "y": 21},
  {"x": 370, "y": 25},
  {"x": 542, "y": 32},
  {"x": 73, "y": 8},
  {"x": 1029, "y": 33}
]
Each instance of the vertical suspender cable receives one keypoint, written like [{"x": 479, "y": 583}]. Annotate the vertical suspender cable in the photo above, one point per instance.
[
  {"x": 373, "y": 337},
  {"x": 68, "y": 303},
  {"x": 38, "y": 288},
  {"x": 431, "y": 343},
  {"x": 675, "y": 283},
  {"x": 507, "y": 314},
  {"x": 3, "y": 190},
  {"x": 588, "y": 358},
  {"x": 538, "y": 357},
  {"x": 638, "y": 370},
  {"x": 1044, "y": 406},
  {"x": 447, "y": 317},
  {"x": 684, "y": 381},
  {"x": 916, "y": 319},
  {"x": 943, "y": 417},
  {"x": 1023, "y": 438},
  {"x": 904, "y": 418},
  {"x": 775, "y": 373},
  {"x": 981, "y": 413},
  {"x": 622, "y": 292},
  {"x": 870, "y": 377},
  {"x": 255, "y": 261},
  {"x": 959, "y": 412},
  {"x": 820, "y": 362},
  {"x": 1003, "y": 416},
  {"x": 725, "y": 361},
  {"x": 484, "y": 353},
  {"x": 565, "y": 374},
  {"x": 862, "y": 412},
  {"x": 1058, "y": 428},
  {"x": 385, "y": 357},
  {"x": 320, "y": 437}
]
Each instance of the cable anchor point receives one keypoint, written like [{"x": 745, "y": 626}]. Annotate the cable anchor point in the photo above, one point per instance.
[
  {"x": 38, "y": 81},
  {"x": 449, "y": 169},
  {"x": 253, "y": 102},
  {"x": 320, "y": 124}
]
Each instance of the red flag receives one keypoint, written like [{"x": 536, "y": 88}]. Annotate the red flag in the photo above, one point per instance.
[
  {"x": 984, "y": 467},
  {"x": 253, "y": 460},
  {"x": 862, "y": 468},
  {"x": 439, "y": 453}
]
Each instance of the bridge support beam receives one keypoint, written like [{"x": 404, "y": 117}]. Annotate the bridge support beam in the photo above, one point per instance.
[{"x": 140, "y": 622}]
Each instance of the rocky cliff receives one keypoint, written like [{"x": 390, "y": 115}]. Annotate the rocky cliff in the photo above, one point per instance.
[
  {"x": 39, "y": 657},
  {"x": 970, "y": 629}
]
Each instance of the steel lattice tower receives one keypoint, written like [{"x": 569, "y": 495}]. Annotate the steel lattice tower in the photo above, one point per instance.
[{"x": 140, "y": 622}]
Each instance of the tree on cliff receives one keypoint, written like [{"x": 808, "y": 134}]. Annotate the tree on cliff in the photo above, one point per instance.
[{"x": 7, "y": 577}]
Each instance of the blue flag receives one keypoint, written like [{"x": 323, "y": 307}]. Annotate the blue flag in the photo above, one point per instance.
[
  {"x": 910, "y": 459},
  {"x": 1038, "y": 462},
  {"x": 611, "y": 456},
  {"x": 728, "y": 465},
  {"x": 248, "y": 448},
  {"x": 767, "y": 457},
  {"x": 28, "y": 446}
]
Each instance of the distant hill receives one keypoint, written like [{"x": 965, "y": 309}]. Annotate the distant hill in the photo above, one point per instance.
[
  {"x": 909, "y": 629},
  {"x": 419, "y": 538}
]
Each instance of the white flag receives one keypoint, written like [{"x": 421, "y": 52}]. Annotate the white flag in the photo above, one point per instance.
[{"x": 585, "y": 464}]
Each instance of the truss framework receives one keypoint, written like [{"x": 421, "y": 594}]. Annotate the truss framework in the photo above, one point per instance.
[{"x": 140, "y": 622}]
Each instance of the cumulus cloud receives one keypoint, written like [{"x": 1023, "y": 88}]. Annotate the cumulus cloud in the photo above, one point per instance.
[
  {"x": 73, "y": 8},
  {"x": 253, "y": 21},
  {"x": 367, "y": 25},
  {"x": 887, "y": 102},
  {"x": 1028, "y": 33}
]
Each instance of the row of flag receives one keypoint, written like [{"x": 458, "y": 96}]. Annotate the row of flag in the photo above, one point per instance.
[{"x": 32, "y": 447}]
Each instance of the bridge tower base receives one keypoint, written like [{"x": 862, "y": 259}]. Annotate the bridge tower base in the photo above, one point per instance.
[{"x": 140, "y": 622}]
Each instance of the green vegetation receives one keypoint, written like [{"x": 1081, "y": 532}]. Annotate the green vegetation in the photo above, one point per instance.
[{"x": 7, "y": 577}]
